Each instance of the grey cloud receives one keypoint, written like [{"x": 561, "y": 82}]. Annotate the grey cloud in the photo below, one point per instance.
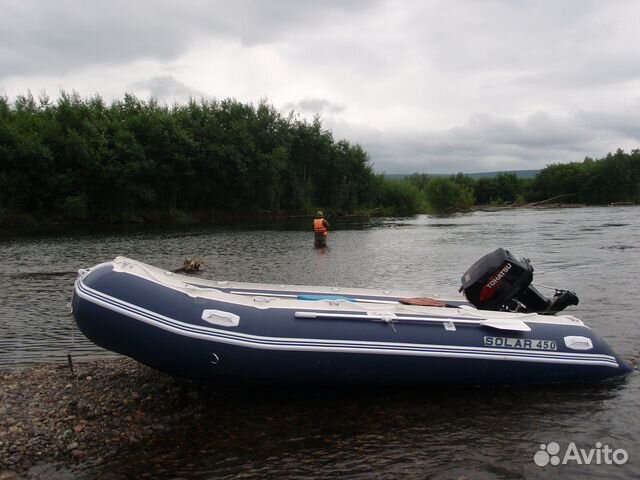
[
  {"x": 610, "y": 69},
  {"x": 314, "y": 105},
  {"x": 488, "y": 143},
  {"x": 618, "y": 124},
  {"x": 166, "y": 88},
  {"x": 46, "y": 37},
  {"x": 410, "y": 62},
  {"x": 53, "y": 37},
  {"x": 498, "y": 34},
  {"x": 543, "y": 46},
  {"x": 538, "y": 129}
]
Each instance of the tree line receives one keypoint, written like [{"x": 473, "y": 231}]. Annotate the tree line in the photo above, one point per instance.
[
  {"x": 83, "y": 160},
  {"x": 614, "y": 178}
]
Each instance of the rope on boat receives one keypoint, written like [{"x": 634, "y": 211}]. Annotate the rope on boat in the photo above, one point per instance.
[{"x": 73, "y": 338}]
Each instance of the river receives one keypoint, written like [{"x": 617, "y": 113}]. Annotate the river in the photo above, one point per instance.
[{"x": 464, "y": 433}]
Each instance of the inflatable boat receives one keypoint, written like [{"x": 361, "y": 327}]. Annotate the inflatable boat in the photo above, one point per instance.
[{"x": 503, "y": 331}]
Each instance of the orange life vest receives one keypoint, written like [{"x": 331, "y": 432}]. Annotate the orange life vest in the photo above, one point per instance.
[{"x": 318, "y": 226}]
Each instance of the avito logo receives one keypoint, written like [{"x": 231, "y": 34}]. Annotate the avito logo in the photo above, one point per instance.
[{"x": 600, "y": 455}]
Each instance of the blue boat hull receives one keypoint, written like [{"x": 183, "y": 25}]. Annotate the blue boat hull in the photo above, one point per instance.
[{"x": 164, "y": 328}]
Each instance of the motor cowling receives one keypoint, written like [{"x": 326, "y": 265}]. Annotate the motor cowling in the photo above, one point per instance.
[{"x": 500, "y": 281}]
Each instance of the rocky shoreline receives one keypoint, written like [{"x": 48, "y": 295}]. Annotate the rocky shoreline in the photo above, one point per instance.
[
  {"x": 54, "y": 420},
  {"x": 115, "y": 418}
]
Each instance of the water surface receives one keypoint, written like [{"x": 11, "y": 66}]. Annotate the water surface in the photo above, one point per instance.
[{"x": 480, "y": 434}]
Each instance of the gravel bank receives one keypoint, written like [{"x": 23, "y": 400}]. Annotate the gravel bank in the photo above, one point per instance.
[{"x": 53, "y": 420}]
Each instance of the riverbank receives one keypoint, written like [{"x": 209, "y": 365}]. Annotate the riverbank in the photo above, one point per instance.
[
  {"x": 32, "y": 226},
  {"x": 53, "y": 420}
]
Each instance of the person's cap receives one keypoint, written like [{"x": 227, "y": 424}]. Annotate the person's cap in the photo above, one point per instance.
[{"x": 320, "y": 214}]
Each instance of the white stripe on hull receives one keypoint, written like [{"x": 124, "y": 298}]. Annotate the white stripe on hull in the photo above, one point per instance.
[{"x": 333, "y": 345}]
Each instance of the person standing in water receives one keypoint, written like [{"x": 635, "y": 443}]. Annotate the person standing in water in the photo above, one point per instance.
[{"x": 321, "y": 230}]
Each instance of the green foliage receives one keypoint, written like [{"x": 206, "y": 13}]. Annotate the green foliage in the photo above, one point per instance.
[
  {"x": 80, "y": 159},
  {"x": 614, "y": 178},
  {"x": 75, "y": 207},
  {"x": 503, "y": 188},
  {"x": 444, "y": 195},
  {"x": 398, "y": 197}
]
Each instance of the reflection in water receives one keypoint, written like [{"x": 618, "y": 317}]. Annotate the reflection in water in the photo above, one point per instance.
[
  {"x": 227, "y": 431},
  {"x": 283, "y": 431},
  {"x": 260, "y": 432}
]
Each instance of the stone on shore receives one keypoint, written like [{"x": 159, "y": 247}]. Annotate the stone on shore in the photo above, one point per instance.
[{"x": 52, "y": 416}]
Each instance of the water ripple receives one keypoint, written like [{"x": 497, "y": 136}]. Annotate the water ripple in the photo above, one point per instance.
[{"x": 286, "y": 432}]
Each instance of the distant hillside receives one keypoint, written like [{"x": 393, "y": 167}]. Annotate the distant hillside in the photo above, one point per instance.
[{"x": 518, "y": 173}]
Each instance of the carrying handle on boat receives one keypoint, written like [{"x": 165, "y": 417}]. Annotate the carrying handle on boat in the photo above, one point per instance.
[
  {"x": 510, "y": 324},
  {"x": 507, "y": 324}
]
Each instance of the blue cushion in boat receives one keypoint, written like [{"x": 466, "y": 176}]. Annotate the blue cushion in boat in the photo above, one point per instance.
[{"x": 324, "y": 297}]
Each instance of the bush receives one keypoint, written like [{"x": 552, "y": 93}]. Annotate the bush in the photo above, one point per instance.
[
  {"x": 443, "y": 195},
  {"x": 75, "y": 208},
  {"x": 401, "y": 198}
]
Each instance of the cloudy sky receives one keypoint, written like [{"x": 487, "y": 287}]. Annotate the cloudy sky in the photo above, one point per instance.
[{"x": 424, "y": 86}]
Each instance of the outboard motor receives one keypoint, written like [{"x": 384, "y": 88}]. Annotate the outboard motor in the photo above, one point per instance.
[{"x": 499, "y": 281}]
